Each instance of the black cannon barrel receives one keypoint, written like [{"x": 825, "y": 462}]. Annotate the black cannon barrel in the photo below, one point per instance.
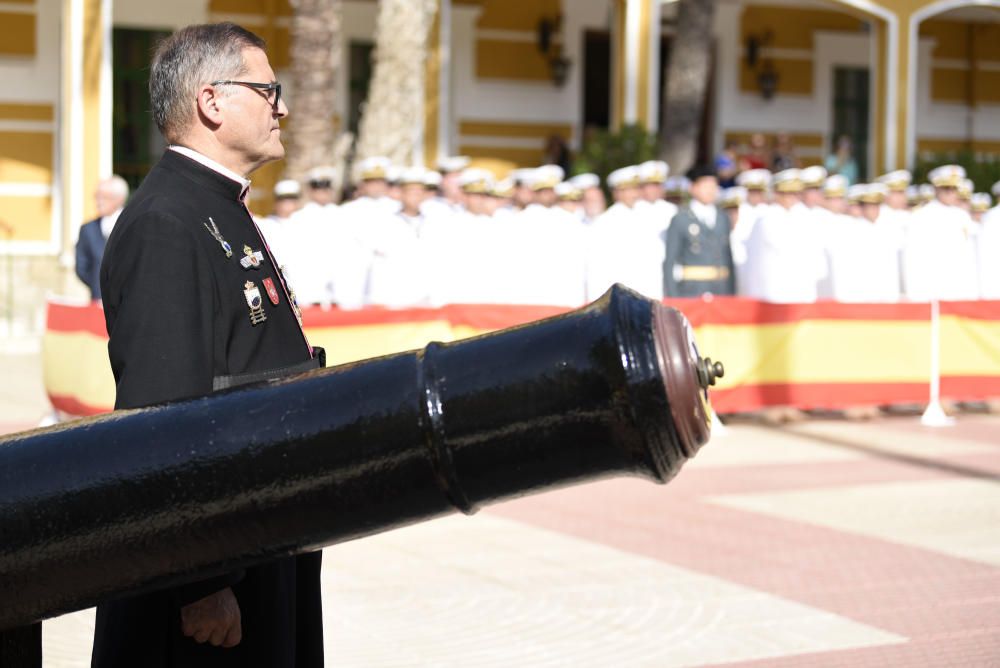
[{"x": 147, "y": 498}]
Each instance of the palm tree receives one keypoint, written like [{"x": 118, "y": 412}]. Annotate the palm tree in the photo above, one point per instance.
[
  {"x": 315, "y": 63},
  {"x": 393, "y": 110},
  {"x": 687, "y": 81}
]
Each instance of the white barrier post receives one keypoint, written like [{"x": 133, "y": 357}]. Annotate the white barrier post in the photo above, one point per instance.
[
  {"x": 718, "y": 429},
  {"x": 935, "y": 416}
]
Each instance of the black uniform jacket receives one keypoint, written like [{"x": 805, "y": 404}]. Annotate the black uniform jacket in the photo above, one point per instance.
[
  {"x": 179, "y": 315},
  {"x": 698, "y": 258}
]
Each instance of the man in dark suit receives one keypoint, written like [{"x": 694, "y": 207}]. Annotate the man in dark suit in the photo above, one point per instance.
[
  {"x": 110, "y": 198},
  {"x": 698, "y": 256},
  {"x": 194, "y": 303}
]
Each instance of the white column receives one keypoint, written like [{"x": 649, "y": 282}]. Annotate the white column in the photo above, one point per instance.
[
  {"x": 653, "y": 105},
  {"x": 633, "y": 27},
  {"x": 70, "y": 137},
  {"x": 445, "y": 109},
  {"x": 107, "y": 53}
]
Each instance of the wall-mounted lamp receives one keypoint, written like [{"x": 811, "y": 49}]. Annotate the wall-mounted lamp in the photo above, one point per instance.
[
  {"x": 767, "y": 80},
  {"x": 551, "y": 50},
  {"x": 767, "y": 76}
]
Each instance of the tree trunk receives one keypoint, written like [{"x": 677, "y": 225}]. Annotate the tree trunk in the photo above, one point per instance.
[
  {"x": 315, "y": 63},
  {"x": 393, "y": 110},
  {"x": 687, "y": 81}
]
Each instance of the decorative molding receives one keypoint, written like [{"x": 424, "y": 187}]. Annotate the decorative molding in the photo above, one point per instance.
[{"x": 25, "y": 189}]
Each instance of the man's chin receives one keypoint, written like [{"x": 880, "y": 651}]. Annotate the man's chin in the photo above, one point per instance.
[{"x": 269, "y": 156}]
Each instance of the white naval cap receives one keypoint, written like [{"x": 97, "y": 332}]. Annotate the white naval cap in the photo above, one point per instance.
[
  {"x": 733, "y": 197},
  {"x": 653, "y": 171},
  {"x": 287, "y": 188},
  {"x": 454, "y": 163},
  {"x": 912, "y": 194},
  {"x": 947, "y": 176},
  {"x": 415, "y": 174},
  {"x": 980, "y": 202},
  {"x": 521, "y": 175},
  {"x": 996, "y": 189},
  {"x": 374, "y": 168},
  {"x": 322, "y": 174},
  {"x": 926, "y": 192},
  {"x": 965, "y": 188},
  {"x": 624, "y": 177},
  {"x": 855, "y": 191},
  {"x": 566, "y": 191},
  {"x": 835, "y": 186},
  {"x": 813, "y": 176},
  {"x": 874, "y": 193},
  {"x": 897, "y": 181},
  {"x": 503, "y": 188},
  {"x": 588, "y": 180},
  {"x": 546, "y": 176},
  {"x": 432, "y": 179},
  {"x": 393, "y": 173},
  {"x": 476, "y": 181},
  {"x": 754, "y": 179},
  {"x": 788, "y": 181},
  {"x": 677, "y": 185}
]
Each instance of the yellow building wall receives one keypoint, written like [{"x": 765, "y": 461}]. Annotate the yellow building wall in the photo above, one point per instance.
[
  {"x": 514, "y": 57},
  {"x": 265, "y": 7},
  {"x": 93, "y": 54},
  {"x": 26, "y": 156},
  {"x": 432, "y": 93},
  {"x": 262, "y": 16},
  {"x": 787, "y": 28},
  {"x": 26, "y": 159},
  {"x": 966, "y": 61},
  {"x": 17, "y": 34},
  {"x": 502, "y": 159},
  {"x": 30, "y": 218},
  {"x": 938, "y": 145}
]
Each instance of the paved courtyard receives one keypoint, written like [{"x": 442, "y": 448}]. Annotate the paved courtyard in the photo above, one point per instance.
[{"x": 823, "y": 543}]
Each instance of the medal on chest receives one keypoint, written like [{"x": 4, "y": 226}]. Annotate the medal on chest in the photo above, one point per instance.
[
  {"x": 272, "y": 292},
  {"x": 695, "y": 231},
  {"x": 252, "y": 294},
  {"x": 295, "y": 307},
  {"x": 213, "y": 229},
  {"x": 251, "y": 259}
]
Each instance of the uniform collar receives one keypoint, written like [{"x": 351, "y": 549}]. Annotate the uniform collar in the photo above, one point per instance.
[
  {"x": 706, "y": 213},
  {"x": 242, "y": 184}
]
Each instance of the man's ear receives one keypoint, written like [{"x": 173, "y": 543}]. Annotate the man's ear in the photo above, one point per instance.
[{"x": 209, "y": 105}]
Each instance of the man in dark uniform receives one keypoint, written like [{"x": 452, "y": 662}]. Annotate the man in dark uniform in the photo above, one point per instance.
[
  {"x": 698, "y": 256},
  {"x": 194, "y": 303}
]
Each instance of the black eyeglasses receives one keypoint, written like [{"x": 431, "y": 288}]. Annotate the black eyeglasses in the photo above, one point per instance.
[{"x": 267, "y": 87}]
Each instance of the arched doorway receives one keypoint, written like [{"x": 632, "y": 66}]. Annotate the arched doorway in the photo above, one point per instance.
[
  {"x": 954, "y": 62},
  {"x": 809, "y": 73}
]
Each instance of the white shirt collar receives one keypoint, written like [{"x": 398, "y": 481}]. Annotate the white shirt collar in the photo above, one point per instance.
[
  {"x": 108, "y": 222},
  {"x": 704, "y": 212},
  {"x": 214, "y": 166}
]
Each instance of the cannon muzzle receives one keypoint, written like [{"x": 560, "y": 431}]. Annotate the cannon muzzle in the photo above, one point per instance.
[{"x": 153, "y": 497}]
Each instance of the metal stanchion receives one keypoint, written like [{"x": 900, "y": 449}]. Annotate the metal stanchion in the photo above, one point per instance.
[{"x": 935, "y": 416}]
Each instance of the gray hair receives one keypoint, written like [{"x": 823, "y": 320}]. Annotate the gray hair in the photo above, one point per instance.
[
  {"x": 115, "y": 185},
  {"x": 188, "y": 59}
]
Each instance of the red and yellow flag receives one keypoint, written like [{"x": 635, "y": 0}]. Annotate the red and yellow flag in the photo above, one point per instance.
[{"x": 823, "y": 355}]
